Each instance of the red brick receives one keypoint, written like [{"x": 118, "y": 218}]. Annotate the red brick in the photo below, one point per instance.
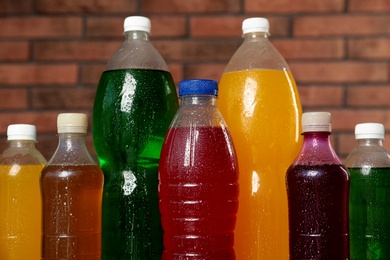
[
  {"x": 346, "y": 119},
  {"x": 379, "y": 6},
  {"x": 368, "y": 96},
  {"x": 20, "y": 74},
  {"x": 15, "y": 6},
  {"x": 321, "y": 96},
  {"x": 196, "y": 50},
  {"x": 86, "y": 6},
  {"x": 105, "y": 27},
  {"x": 310, "y": 48},
  {"x": 341, "y": 25},
  {"x": 90, "y": 74},
  {"x": 340, "y": 72},
  {"x": 63, "y": 98},
  {"x": 296, "y": 6},
  {"x": 40, "y": 27},
  {"x": 190, "y": 6},
  {"x": 113, "y": 27},
  {"x": 15, "y": 99},
  {"x": 206, "y": 71},
  {"x": 14, "y": 51},
  {"x": 373, "y": 48},
  {"x": 75, "y": 50},
  {"x": 46, "y": 122},
  {"x": 231, "y": 26}
]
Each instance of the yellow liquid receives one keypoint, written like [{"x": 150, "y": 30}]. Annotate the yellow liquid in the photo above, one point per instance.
[
  {"x": 20, "y": 212},
  {"x": 263, "y": 112}
]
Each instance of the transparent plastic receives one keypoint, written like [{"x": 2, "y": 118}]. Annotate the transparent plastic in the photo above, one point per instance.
[
  {"x": 259, "y": 100},
  {"x": 318, "y": 191},
  {"x": 20, "y": 199},
  {"x": 369, "y": 168},
  {"x": 72, "y": 187},
  {"x": 135, "y": 102},
  {"x": 136, "y": 52},
  {"x": 257, "y": 53},
  {"x": 198, "y": 186}
]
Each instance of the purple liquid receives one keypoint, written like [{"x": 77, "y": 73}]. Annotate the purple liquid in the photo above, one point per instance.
[{"x": 318, "y": 211}]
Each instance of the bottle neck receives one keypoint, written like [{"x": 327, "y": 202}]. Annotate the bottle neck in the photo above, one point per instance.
[
  {"x": 71, "y": 150},
  {"x": 198, "y": 100},
  {"x": 68, "y": 141},
  {"x": 21, "y": 143},
  {"x": 255, "y": 35},
  {"x": 370, "y": 142},
  {"x": 317, "y": 149},
  {"x": 137, "y": 35}
]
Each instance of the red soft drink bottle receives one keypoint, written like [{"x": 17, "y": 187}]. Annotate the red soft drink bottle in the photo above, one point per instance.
[{"x": 198, "y": 178}]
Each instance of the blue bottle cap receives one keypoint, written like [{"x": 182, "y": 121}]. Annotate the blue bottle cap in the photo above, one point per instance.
[{"x": 198, "y": 87}]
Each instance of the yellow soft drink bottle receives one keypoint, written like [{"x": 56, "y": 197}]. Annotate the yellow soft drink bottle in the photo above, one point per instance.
[
  {"x": 20, "y": 197},
  {"x": 260, "y": 103}
]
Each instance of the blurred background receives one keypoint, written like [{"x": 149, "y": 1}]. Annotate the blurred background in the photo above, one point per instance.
[{"x": 52, "y": 53}]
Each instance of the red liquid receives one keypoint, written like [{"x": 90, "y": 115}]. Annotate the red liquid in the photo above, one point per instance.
[
  {"x": 318, "y": 212},
  {"x": 198, "y": 193},
  {"x": 72, "y": 202}
]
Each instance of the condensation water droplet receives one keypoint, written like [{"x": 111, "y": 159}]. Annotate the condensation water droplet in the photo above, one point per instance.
[{"x": 130, "y": 182}]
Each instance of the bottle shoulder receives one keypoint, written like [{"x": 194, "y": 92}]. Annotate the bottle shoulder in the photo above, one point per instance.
[
  {"x": 198, "y": 116},
  {"x": 257, "y": 54},
  {"x": 372, "y": 156},
  {"x": 22, "y": 155},
  {"x": 317, "y": 150},
  {"x": 72, "y": 150},
  {"x": 136, "y": 54}
]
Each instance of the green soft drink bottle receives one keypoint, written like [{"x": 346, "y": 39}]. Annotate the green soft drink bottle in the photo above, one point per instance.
[
  {"x": 369, "y": 205},
  {"x": 135, "y": 102}
]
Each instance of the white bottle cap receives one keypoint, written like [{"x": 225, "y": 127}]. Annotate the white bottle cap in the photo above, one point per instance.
[
  {"x": 256, "y": 24},
  {"x": 137, "y": 23},
  {"x": 72, "y": 123},
  {"x": 317, "y": 122},
  {"x": 369, "y": 130},
  {"x": 22, "y": 132}
]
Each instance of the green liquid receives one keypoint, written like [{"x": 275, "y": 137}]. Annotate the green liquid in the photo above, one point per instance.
[
  {"x": 132, "y": 112},
  {"x": 369, "y": 213}
]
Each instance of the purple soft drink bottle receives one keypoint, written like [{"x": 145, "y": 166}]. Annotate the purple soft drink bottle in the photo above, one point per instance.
[{"x": 318, "y": 192}]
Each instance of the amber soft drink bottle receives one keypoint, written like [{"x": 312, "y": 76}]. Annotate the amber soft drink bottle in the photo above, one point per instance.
[
  {"x": 198, "y": 175},
  {"x": 260, "y": 103},
  {"x": 135, "y": 102},
  {"x": 72, "y": 186},
  {"x": 318, "y": 190},
  {"x": 20, "y": 197},
  {"x": 369, "y": 202}
]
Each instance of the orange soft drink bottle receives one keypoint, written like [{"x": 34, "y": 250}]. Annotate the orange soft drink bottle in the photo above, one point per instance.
[{"x": 260, "y": 103}]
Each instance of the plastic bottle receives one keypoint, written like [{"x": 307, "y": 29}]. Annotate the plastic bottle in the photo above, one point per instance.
[
  {"x": 318, "y": 191},
  {"x": 369, "y": 201},
  {"x": 135, "y": 102},
  {"x": 260, "y": 103},
  {"x": 198, "y": 175},
  {"x": 20, "y": 197},
  {"x": 72, "y": 186}
]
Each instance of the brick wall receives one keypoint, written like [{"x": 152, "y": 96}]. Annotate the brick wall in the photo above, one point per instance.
[{"x": 53, "y": 51}]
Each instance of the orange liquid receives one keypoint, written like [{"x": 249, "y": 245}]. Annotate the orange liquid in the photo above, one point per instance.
[
  {"x": 72, "y": 212},
  {"x": 20, "y": 212},
  {"x": 263, "y": 111}
]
